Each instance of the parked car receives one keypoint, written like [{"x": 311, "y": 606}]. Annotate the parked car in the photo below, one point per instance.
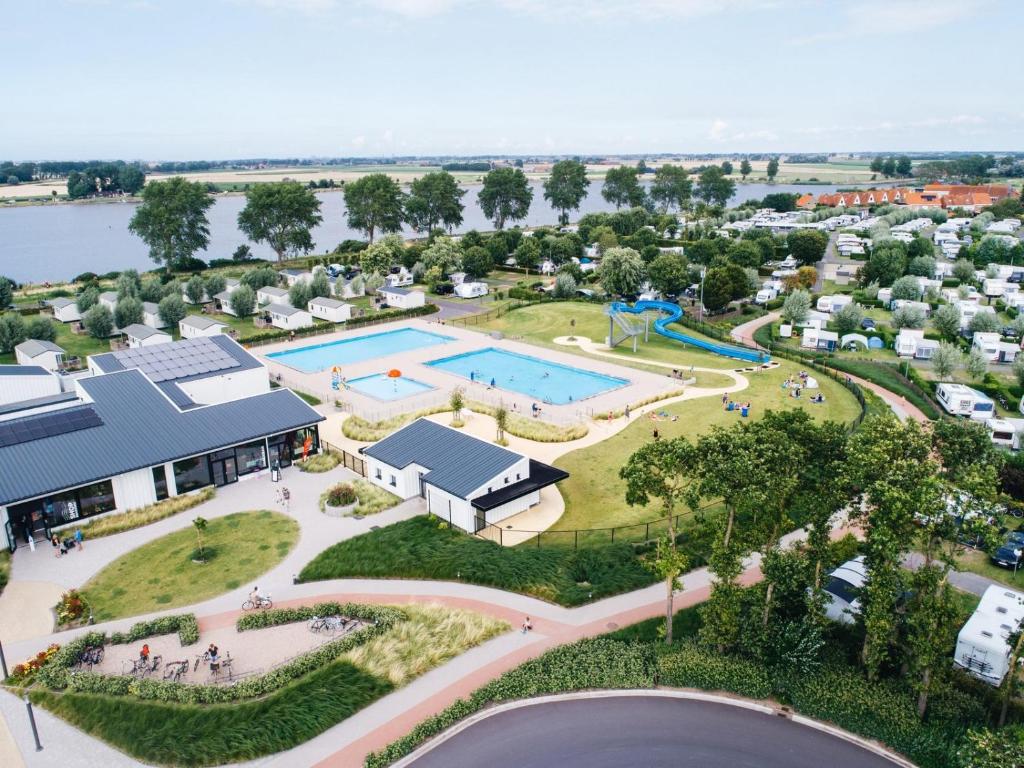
[
  {"x": 1009, "y": 332},
  {"x": 867, "y": 324},
  {"x": 1008, "y": 555}
]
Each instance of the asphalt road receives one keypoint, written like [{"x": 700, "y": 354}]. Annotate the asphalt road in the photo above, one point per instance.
[{"x": 654, "y": 732}]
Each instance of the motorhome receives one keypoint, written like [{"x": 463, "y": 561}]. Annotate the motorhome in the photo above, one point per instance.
[
  {"x": 961, "y": 400},
  {"x": 982, "y": 647}
]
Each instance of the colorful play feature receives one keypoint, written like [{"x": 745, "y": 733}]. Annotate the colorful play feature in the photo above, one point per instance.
[{"x": 617, "y": 315}]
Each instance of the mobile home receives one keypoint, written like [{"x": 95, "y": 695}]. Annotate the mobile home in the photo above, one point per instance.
[
  {"x": 982, "y": 647},
  {"x": 961, "y": 400}
]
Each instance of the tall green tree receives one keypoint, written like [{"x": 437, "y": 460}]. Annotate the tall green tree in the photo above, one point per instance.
[
  {"x": 566, "y": 187},
  {"x": 773, "y": 169},
  {"x": 671, "y": 187},
  {"x": 713, "y": 187},
  {"x": 172, "y": 309},
  {"x": 745, "y": 168},
  {"x": 172, "y": 221},
  {"x": 669, "y": 274},
  {"x": 903, "y": 166},
  {"x": 505, "y": 196},
  {"x": 434, "y": 199},
  {"x": 374, "y": 203},
  {"x": 622, "y": 271},
  {"x": 622, "y": 187},
  {"x": 665, "y": 470},
  {"x": 282, "y": 215},
  {"x": 128, "y": 311},
  {"x": 6, "y": 293},
  {"x": 807, "y": 245}
]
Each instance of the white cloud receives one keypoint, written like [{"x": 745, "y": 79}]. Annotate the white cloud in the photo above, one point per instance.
[
  {"x": 358, "y": 141},
  {"x": 889, "y": 126},
  {"x": 719, "y": 133}
]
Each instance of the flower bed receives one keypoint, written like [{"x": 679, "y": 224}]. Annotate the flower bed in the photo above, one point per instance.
[
  {"x": 71, "y": 608},
  {"x": 22, "y": 674}
]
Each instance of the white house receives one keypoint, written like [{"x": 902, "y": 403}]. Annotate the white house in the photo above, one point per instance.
[
  {"x": 473, "y": 290},
  {"x": 401, "y": 298},
  {"x": 138, "y": 335},
  {"x": 293, "y": 276},
  {"x": 192, "y": 326},
  {"x": 961, "y": 400},
  {"x": 108, "y": 299},
  {"x": 271, "y": 294},
  {"x": 346, "y": 289},
  {"x": 44, "y": 354},
  {"x": 222, "y": 301},
  {"x": 842, "y": 591},
  {"x": 994, "y": 348},
  {"x": 815, "y": 338},
  {"x": 65, "y": 310},
  {"x": 151, "y": 315},
  {"x": 467, "y": 482},
  {"x": 288, "y": 318},
  {"x": 910, "y": 342},
  {"x": 982, "y": 647},
  {"x": 331, "y": 310},
  {"x": 923, "y": 306},
  {"x": 834, "y": 303},
  {"x": 26, "y": 382}
]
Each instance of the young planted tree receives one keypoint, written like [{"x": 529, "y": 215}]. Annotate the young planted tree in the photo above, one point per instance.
[
  {"x": 946, "y": 360},
  {"x": 500, "y": 423},
  {"x": 172, "y": 309},
  {"x": 243, "y": 301},
  {"x": 773, "y": 169},
  {"x": 434, "y": 200},
  {"x": 199, "y": 523},
  {"x": 665, "y": 470},
  {"x": 946, "y": 320},
  {"x": 172, "y": 219},
  {"x": 128, "y": 311},
  {"x": 847, "y": 319},
  {"x": 566, "y": 188},
  {"x": 457, "y": 402},
  {"x": 195, "y": 289},
  {"x": 98, "y": 322},
  {"x": 668, "y": 564},
  {"x": 282, "y": 215},
  {"x": 976, "y": 364},
  {"x": 796, "y": 307},
  {"x": 374, "y": 203},
  {"x": 505, "y": 196}
]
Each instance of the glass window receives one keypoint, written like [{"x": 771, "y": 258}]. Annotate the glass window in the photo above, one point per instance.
[
  {"x": 250, "y": 457},
  {"x": 190, "y": 474},
  {"x": 62, "y": 508},
  {"x": 160, "y": 482},
  {"x": 392, "y": 481},
  {"x": 377, "y": 474},
  {"x": 96, "y": 498},
  {"x": 298, "y": 438}
]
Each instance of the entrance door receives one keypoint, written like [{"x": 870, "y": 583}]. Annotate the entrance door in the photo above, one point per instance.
[
  {"x": 224, "y": 472},
  {"x": 479, "y": 521},
  {"x": 423, "y": 487}
]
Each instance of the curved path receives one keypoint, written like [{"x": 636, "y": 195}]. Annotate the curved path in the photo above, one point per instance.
[
  {"x": 657, "y": 731},
  {"x": 899, "y": 405}
]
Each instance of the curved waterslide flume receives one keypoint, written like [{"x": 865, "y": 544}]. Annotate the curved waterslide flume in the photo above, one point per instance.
[{"x": 672, "y": 313}]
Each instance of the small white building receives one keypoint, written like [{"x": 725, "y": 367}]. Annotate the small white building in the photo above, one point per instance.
[
  {"x": 401, "y": 298},
  {"x": 332, "y": 310},
  {"x": 961, "y": 400},
  {"x": 910, "y": 342},
  {"x": 138, "y": 335},
  {"x": 26, "y": 382},
  {"x": 288, "y": 318},
  {"x": 994, "y": 348},
  {"x": 833, "y": 303},
  {"x": 108, "y": 299},
  {"x": 293, "y": 276},
  {"x": 467, "y": 482},
  {"x": 222, "y": 301},
  {"x": 842, "y": 591},
  {"x": 65, "y": 310},
  {"x": 982, "y": 647},
  {"x": 44, "y": 354},
  {"x": 271, "y": 294},
  {"x": 193, "y": 326},
  {"x": 764, "y": 295},
  {"x": 472, "y": 290},
  {"x": 347, "y": 289},
  {"x": 151, "y": 315}
]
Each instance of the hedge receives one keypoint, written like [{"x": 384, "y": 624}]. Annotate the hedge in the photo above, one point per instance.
[
  {"x": 588, "y": 664},
  {"x": 691, "y": 666},
  {"x": 184, "y": 624},
  {"x": 378, "y": 614}
]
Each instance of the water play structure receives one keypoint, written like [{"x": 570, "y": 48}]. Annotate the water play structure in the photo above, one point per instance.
[{"x": 625, "y": 318}]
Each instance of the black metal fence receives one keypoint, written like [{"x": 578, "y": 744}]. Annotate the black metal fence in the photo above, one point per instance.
[{"x": 348, "y": 460}]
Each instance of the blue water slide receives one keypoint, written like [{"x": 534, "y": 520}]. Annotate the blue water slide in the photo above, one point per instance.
[{"x": 672, "y": 314}]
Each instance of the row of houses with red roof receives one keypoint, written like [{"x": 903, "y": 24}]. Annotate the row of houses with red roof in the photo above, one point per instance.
[{"x": 967, "y": 197}]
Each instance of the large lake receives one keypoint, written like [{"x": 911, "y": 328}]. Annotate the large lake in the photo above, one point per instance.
[{"x": 57, "y": 242}]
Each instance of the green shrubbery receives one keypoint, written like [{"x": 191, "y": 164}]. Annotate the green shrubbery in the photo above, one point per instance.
[
  {"x": 184, "y": 624},
  {"x": 380, "y": 615}
]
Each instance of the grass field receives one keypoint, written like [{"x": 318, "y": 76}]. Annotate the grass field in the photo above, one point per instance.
[
  {"x": 198, "y": 735},
  {"x": 594, "y": 495},
  {"x": 161, "y": 574},
  {"x": 420, "y": 548}
]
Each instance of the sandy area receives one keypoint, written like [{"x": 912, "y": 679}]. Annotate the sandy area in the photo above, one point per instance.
[
  {"x": 20, "y": 609},
  {"x": 253, "y": 652}
]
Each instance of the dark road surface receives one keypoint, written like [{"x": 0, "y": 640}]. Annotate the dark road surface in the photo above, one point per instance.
[{"x": 652, "y": 732}]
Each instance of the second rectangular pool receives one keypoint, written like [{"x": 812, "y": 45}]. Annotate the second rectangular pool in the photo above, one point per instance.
[
  {"x": 320, "y": 357},
  {"x": 539, "y": 379}
]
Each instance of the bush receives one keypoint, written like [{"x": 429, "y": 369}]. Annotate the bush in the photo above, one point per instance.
[
  {"x": 691, "y": 666},
  {"x": 184, "y": 624},
  {"x": 72, "y": 607},
  {"x": 340, "y": 495},
  {"x": 380, "y": 615},
  {"x": 136, "y": 518}
]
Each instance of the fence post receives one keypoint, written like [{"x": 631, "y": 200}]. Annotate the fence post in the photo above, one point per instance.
[
  {"x": 647, "y": 532},
  {"x": 613, "y": 535},
  {"x": 576, "y": 539}
]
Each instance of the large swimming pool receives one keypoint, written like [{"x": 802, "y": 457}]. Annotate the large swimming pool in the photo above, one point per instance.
[
  {"x": 320, "y": 357},
  {"x": 541, "y": 380},
  {"x": 382, "y": 387}
]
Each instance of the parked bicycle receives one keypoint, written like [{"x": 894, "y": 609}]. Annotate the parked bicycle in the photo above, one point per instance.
[
  {"x": 260, "y": 603},
  {"x": 327, "y": 623},
  {"x": 90, "y": 656},
  {"x": 202, "y": 658},
  {"x": 222, "y": 666},
  {"x": 175, "y": 670},
  {"x": 141, "y": 667}
]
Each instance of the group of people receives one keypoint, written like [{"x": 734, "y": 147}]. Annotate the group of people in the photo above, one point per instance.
[
  {"x": 732, "y": 405},
  {"x": 796, "y": 386},
  {"x": 677, "y": 373},
  {"x": 62, "y": 547}
]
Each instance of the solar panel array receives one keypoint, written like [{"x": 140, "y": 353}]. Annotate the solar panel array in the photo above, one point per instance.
[
  {"x": 48, "y": 425},
  {"x": 166, "y": 362}
]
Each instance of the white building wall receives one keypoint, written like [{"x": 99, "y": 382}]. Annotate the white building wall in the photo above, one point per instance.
[
  {"x": 68, "y": 314},
  {"x": 228, "y": 386},
  {"x": 133, "y": 490},
  {"x": 300, "y": 319},
  {"x": 459, "y": 512},
  {"x": 13, "y": 389},
  {"x": 149, "y": 341},
  {"x": 48, "y": 360},
  {"x": 513, "y": 507}
]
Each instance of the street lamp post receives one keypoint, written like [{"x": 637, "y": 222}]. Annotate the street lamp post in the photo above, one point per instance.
[
  {"x": 700, "y": 309},
  {"x": 32, "y": 722}
]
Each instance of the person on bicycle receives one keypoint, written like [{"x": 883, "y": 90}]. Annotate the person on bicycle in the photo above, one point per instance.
[{"x": 257, "y": 597}]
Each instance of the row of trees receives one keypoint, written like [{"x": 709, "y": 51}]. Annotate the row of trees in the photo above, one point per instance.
[
  {"x": 106, "y": 179},
  {"x": 671, "y": 188},
  {"x": 891, "y": 166},
  {"x": 894, "y": 479}
]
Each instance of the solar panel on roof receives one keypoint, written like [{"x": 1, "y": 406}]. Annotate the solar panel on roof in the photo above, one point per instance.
[{"x": 48, "y": 425}]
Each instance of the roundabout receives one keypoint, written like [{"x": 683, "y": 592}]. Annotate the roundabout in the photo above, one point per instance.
[{"x": 610, "y": 730}]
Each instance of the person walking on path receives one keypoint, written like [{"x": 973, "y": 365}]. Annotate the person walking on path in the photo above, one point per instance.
[
  {"x": 627, "y": 411},
  {"x": 527, "y": 625},
  {"x": 79, "y": 538}
]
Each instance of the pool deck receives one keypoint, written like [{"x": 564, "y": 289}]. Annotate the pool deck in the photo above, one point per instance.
[{"x": 642, "y": 385}]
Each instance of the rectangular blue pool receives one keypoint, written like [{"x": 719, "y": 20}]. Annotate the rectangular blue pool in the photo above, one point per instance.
[
  {"x": 541, "y": 380},
  {"x": 381, "y": 387},
  {"x": 320, "y": 357}
]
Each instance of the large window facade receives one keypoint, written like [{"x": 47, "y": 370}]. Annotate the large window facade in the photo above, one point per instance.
[
  {"x": 190, "y": 474},
  {"x": 61, "y": 508}
]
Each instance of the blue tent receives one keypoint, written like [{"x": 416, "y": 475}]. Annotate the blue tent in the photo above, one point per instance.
[{"x": 876, "y": 342}]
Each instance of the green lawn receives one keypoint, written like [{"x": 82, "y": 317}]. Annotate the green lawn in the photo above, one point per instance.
[
  {"x": 594, "y": 495},
  {"x": 421, "y": 549},
  {"x": 161, "y": 574},
  {"x": 978, "y": 562}
]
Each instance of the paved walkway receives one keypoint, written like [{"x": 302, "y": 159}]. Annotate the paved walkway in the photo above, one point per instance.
[{"x": 966, "y": 581}]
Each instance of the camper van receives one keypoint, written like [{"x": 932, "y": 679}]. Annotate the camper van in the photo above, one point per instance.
[
  {"x": 842, "y": 591},
  {"x": 981, "y": 647},
  {"x": 961, "y": 400},
  {"x": 765, "y": 295}
]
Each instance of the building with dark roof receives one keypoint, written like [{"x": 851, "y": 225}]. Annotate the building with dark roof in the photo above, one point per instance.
[
  {"x": 150, "y": 423},
  {"x": 469, "y": 482}
]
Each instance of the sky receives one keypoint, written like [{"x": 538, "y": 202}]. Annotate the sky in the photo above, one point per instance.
[{"x": 221, "y": 79}]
